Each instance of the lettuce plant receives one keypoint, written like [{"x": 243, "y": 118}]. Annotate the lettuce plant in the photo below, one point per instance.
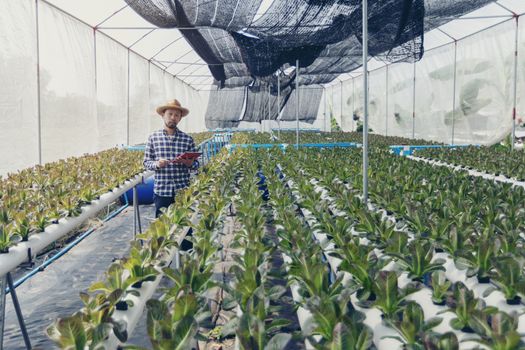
[
  {"x": 447, "y": 341},
  {"x": 417, "y": 260},
  {"x": 507, "y": 277},
  {"x": 478, "y": 257},
  {"x": 463, "y": 303},
  {"x": 411, "y": 325},
  {"x": 497, "y": 330},
  {"x": 390, "y": 299},
  {"x": 440, "y": 287},
  {"x": 7, "y": 238}
]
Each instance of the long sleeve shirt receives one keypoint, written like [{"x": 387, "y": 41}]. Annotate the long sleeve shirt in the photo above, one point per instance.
[{"x": 163, "y": 146}]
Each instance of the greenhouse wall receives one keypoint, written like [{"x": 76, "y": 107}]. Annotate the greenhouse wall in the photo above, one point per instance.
[
  {"x": 88, "y": 93},
  {"x": 417, "y": 99}
]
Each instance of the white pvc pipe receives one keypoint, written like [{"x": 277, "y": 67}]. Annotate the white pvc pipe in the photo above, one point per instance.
[
  {"x": 133, "y": 315},
  {"x": 37, "y": 242}
]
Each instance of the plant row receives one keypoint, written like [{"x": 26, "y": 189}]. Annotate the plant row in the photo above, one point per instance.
[
  {"x": 416, "y": 256},
  {"x": 289, "y": 137},
  {"x": 34, "y": 198},
  {"x": 488, "y": 159},
  {"x": 173, "y": 320}
]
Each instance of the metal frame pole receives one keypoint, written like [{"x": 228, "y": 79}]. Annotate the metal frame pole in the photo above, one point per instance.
[
  {"x": 18, "y": 310},
  {"x": 269, "y": 109},
  {"x": 386, "y": 103},
  {"x": 297, "y": 103},
  {"x": 454, "y": 91},
  {"x": 324, "y": 111},
  {"x": 414, "y": 105},
  {"x": 365, "y": 105},
  {"x": 341, "y": 85},
  {"x": 3, "y": 285},
  {"x": 128, "y": 116},
  {"x": 135, "y": 199},
  {"x": 38, "y": 97},
  {"x": 279, "y": 103},
  {"x": 515, "y": 85},
  {"x": 353, "y": 104}
]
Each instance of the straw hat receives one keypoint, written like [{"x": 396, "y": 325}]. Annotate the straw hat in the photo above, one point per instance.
[{"x": 173, "y": 104}]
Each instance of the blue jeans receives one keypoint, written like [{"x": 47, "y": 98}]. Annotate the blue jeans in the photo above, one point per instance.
[{"x": 162, "y": 202}]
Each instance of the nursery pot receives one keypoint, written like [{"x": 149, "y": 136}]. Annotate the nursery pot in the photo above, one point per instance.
[
  {"x": 514, "y": 301},
  {"x": 121, "y": 305}
]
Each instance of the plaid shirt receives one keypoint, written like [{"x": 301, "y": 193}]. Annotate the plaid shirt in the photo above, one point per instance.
[{"x": 163, "y": 146}]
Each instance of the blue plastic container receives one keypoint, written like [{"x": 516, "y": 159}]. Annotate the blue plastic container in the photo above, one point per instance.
[{"x": 144, "y": 192}]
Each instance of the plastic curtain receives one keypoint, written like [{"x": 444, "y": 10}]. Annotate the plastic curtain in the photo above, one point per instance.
[
  {"x": 485, "y": 73},
  {"x": 68, "y": 96},
  {"x": 400, "y": 99},
  {"x": 18, "y": 94},
  {"x": 434, "y": 95},
  {"x": 139, "y": 111},
  {"x": 377, "y": 101},
  {"x": 112, "y": 92}
]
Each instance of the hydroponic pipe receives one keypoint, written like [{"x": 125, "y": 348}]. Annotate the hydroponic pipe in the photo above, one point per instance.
[
  {"x": 18, "y": 254},
  {"x": 66, "y": 249},
  {"x": 135, "y": 313}
]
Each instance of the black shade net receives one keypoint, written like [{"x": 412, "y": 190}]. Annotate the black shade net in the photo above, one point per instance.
[{"x": 245, "y": 48}]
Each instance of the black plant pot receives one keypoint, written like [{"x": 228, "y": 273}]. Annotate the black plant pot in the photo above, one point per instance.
[
  {"x": 4, "y": 251},
  {"x": 441, "y": 303},
  {"x": 121, "y": 306},
  {"x": 467, "y": 329},
  {"x": 389, "y": 212},
  {"x": 137, "y": 285},
  {"x": 438, "y": 250},
  {"x": 514, "y": 301},
  {"x": 482, "y": 280}
]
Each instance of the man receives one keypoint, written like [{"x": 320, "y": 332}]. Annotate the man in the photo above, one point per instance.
[{"x": 162, "y": 155}]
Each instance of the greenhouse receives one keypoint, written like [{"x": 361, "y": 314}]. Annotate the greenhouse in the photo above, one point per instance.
[{"x": 262, "y": 174}]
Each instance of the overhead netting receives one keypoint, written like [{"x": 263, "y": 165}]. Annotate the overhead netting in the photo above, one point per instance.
[{"x": 246, "y": 45}]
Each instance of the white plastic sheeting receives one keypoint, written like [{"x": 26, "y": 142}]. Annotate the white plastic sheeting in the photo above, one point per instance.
[
  {"x": 88, "y": 99},
  {"x": 112, "y": 92},
  {"x": 18, "y": 91},
  {"x": 68, "y": 94},
  {"x": 485, "y": 65}
]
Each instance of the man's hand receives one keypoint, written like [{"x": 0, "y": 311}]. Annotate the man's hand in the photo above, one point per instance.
[{"x": 163, "y": 163}]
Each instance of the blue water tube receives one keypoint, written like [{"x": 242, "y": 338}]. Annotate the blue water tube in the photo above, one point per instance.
[{"x": 144, "y": 192}]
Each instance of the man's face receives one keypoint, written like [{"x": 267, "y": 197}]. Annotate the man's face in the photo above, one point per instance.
[{"x": 172, "y": 117}]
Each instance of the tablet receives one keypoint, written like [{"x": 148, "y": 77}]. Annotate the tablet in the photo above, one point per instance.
[{"x": 189, "y": 155}]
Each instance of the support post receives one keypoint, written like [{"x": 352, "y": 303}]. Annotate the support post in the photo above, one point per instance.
[
  {"x": 353, "y": 104},
  {"x": 3, "y": 286},
  {"x": 341, "y": 85},
  {"x": 135, "y": 204},
  {"x": 414, "y": 105},
  {"x": 512, "y": 141},
  {"x": 269, "y": 109},
  {"x": 18, "y": 310},
  {"x": 127, "y": 120},
  {"x": 386, "y": 103},
  {"x": 365, "y": 102},
  {"x": 279, "y": 103},
  {"x": 324, "y": 111},
  {"x": 297, "y": 103},
  {"x": 38, "y": 85},
  {"x": 454, "y": 91}
]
